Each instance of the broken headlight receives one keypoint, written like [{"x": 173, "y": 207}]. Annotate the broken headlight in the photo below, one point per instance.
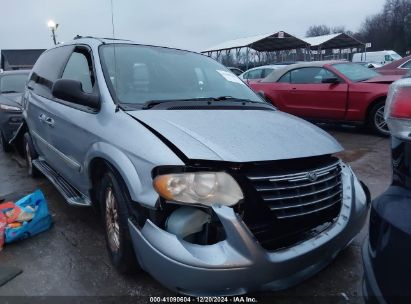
[{"x": 199, "y": 188}]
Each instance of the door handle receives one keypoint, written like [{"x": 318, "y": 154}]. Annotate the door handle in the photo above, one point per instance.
[
  {"x": 49, "y": 121},
  {"x": 42, "y": 117}
]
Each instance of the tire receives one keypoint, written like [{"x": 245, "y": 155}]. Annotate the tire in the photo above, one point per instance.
[
  {"x": 30, "y": 155},
  {"x": 376, "y": 121},
  {"x": 114, "y": 199},
  {"x": 5, "y": 147}
]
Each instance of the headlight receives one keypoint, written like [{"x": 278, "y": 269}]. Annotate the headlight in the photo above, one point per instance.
[
  {"x": 204, "y": 188},
  {"x": 9, "y": 108}
]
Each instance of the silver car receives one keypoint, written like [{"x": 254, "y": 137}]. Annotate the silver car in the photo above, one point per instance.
[{"x": 199, "y": 181}]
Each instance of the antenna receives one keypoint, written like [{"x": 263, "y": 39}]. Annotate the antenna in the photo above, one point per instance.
[
  {"x": 114, "y": 52},
  {"x": 112, "y": 19}
]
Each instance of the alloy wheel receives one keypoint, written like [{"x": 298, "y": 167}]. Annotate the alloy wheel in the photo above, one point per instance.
[
  {"x": 380, "y": 122},
  {"x": 112, "y": 221}
]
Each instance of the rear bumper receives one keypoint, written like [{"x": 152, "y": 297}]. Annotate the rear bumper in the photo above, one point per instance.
[{"x": 239, "y": 264}]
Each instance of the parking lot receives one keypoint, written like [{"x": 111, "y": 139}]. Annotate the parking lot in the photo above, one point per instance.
[{"x": 71, "y": 259}]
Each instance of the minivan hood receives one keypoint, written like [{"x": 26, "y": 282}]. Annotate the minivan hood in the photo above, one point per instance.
[{"x": 238, "y": 135}]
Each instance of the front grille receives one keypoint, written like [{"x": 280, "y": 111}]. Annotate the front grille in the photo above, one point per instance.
[{"x": 298, "y": 194}]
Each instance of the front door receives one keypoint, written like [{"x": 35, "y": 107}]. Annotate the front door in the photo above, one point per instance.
[{"x": 308, "y": 96}]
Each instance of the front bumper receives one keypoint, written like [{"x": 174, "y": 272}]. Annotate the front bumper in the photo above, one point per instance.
[
  {"x": 9, "y": 123},
  {"x": 239, "y": 264}
]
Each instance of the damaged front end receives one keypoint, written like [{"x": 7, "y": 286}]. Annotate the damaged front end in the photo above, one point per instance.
[{"x": 285, "y": 222}]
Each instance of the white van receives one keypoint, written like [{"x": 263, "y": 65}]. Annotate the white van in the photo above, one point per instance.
[{"x": 382, "y": 57}]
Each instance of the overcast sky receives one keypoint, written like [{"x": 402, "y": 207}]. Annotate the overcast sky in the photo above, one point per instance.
[{"x": 189, "y": 24}]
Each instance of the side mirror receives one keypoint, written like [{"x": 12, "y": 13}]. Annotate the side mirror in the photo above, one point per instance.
[
  {"x": 72, "y": 91},
  {"x": 332, "y": 80}
]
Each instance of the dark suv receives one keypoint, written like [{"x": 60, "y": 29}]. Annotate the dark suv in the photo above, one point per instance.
[{"x": 387, "y": 253}]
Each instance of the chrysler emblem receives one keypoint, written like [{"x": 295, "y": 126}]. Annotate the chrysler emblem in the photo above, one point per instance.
[{"x": 312, "y": 176}]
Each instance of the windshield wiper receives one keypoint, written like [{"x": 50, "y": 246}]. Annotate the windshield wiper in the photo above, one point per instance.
[
  {"x": 151, "y": 103},
  {"x": 228, "y": 98}
]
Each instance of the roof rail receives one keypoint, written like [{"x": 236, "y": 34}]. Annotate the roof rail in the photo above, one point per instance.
[{"x": 98, "y": 38}]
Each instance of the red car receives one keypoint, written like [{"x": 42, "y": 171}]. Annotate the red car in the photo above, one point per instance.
[
  {"x": 398, "y": 67},
  {"x": 329, "y": 91}
]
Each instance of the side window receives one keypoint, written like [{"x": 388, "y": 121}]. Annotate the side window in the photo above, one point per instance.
[
  {"x": 285, "y": 78},
  {"x": 48, "y": 69},
  {"x": 326, "y": 74},
  {"x": 79, "y": 67},
  {"x": 406, "y": 65},
  {"x": 267, "y": 72},
  {"x": 255, "y": 74},
  {"x": 388, "y": 58},
  {"x": 306, "y": 75}
]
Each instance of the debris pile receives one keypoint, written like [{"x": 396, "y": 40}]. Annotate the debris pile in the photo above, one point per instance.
[{"x": 25, "y": 218}]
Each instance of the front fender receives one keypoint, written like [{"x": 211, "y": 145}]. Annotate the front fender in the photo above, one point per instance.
[{"x": 139, "y": 186}]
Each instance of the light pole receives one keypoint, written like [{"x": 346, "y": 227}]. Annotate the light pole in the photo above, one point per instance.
[{"x": 53, "y": 27}]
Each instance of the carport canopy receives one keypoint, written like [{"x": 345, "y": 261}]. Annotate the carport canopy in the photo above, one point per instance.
[
  {"x": 262, "y": 43},
  {"x": 333, "y": 41}
]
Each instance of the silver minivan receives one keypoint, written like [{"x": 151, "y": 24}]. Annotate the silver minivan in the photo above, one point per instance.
[{"x": 199, "y": 181}]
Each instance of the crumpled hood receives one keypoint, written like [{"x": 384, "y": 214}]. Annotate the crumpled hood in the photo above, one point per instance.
[
  {"x": 383, "y": 79},
  {"x": 239, "y": 135}
]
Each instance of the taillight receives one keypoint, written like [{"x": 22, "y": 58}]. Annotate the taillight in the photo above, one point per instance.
[{"x": 398, "y": 109}]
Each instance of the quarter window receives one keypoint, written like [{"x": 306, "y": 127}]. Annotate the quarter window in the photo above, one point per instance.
[
  {"x": 310, "y": 75},
  {"x": 255, "y": 74},
  {"x": 79, "y": 67}
]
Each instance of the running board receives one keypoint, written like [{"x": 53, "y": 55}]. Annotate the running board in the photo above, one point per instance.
[{"x": 70, "y": 194}]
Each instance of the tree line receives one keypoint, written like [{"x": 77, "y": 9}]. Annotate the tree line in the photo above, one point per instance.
[{"x": 388, "y": 30}]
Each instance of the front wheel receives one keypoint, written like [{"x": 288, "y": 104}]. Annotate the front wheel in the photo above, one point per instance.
[
  {"x": 377, "y": 121},
  {"x": 113, "y": 198},
  {"x": 30, "y": 155}
]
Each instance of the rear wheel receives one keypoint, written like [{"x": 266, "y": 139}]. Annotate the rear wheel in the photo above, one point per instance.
[
  {"x": 30, "y": 155},
  {"x": 4, "y": 144},
  {"x": 113, "y": 198},
  {"x": 376, "y": 120}
]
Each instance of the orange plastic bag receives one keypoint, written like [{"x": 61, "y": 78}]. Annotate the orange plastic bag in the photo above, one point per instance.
[{"x": 3, "y": 223}]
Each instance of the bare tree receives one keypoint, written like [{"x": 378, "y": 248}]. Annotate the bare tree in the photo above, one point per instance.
[
  {"x": 390, "y": 29},
  {"x": 318, "y": 30}
]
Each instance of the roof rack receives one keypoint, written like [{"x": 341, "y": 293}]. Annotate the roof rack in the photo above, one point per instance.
[{"x": 98, "y": 38}]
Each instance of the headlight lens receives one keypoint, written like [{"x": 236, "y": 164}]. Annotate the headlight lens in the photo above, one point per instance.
[
  {"x": 204, "y": 188},
  {"x": 9, "y": 108}
]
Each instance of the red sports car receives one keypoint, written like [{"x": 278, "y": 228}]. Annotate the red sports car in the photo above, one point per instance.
[
  {"x": 398, "y": 67},
  {"x": 329, "y": 91}
]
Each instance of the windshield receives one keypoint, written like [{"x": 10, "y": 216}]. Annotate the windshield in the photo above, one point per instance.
[
  {"x": 13, "y": 83},
  {"x": 355, "y": 72},
  {"x": 395, "y": 56},
  {"x": 140, "y": 74}
]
